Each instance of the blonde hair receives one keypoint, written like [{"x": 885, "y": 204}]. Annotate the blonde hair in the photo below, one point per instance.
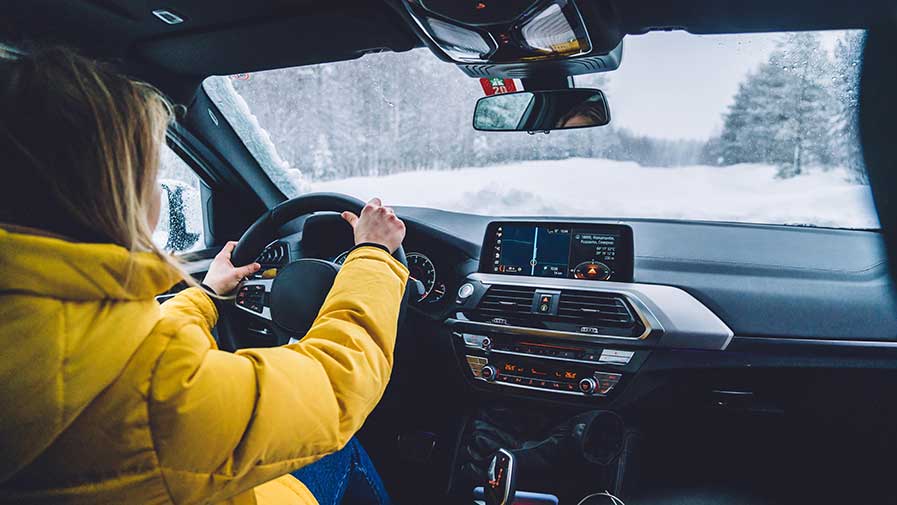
[{"x": 81, "y": 145}]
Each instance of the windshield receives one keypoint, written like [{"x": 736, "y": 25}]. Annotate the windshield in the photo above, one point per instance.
[{"x": 754, "y": 128}]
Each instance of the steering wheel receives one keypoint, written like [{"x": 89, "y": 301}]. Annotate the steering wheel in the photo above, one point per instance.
[{"x": 291, "y": 301}]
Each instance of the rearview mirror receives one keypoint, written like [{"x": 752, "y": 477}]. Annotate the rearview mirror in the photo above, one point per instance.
[{"x": 532, "y": 111}]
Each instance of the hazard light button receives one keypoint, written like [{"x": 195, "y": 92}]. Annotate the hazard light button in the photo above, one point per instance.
[{"x": 592, "y": 270}]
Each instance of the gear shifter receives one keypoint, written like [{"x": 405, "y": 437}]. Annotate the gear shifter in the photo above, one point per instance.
[{"x": 500, "y": 486}]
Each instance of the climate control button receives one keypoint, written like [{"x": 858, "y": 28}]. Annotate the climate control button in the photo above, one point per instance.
[
  {"x": 588, "y": 385},
  {"x": 488, "y": 372}
]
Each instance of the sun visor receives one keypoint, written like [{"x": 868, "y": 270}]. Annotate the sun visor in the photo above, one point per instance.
[{"x": 334, "y": 35}]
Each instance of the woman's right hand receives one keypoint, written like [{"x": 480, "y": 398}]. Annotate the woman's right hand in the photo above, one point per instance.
[{"x": 378, "y": 225}]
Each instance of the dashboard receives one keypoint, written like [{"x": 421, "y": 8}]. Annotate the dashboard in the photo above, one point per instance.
[{"x": 586, "y": 311}]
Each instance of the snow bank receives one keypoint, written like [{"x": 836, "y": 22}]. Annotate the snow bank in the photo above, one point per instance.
[{"x": 604, "y": 188}]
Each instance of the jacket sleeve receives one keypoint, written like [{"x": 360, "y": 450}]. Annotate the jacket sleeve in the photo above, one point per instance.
[
  {"x": 193, "y": 305},
  {"x": 223, "y": 423}
]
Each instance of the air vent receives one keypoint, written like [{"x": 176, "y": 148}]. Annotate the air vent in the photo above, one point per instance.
[
  {"x": 507, "y": 300},
  {"x": 277, "y": 253},
  {"x": 600, "y": 309}
]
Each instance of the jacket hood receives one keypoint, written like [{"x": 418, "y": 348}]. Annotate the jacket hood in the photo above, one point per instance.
[
  {"x": 72, "y": 316},
  {"x": 56, "y": 268}
]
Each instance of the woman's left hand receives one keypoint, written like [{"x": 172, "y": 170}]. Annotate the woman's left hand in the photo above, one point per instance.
[{"x": 223, "y": 277}]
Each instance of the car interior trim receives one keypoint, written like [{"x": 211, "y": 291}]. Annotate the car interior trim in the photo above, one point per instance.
[{"x": 678, "y": 319}]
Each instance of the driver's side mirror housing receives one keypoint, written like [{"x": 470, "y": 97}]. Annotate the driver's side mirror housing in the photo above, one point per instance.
[{"x": 175, "y": 227}]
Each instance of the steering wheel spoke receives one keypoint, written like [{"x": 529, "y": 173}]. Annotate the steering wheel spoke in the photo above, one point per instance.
[{"x": 254, "y": 297}]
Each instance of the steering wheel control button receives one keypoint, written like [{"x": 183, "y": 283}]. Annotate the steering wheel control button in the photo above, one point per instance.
[
  {"x": 252, "y": 297},
  {"x": 489, "y": 373},
  {"x": 588, "y": 385}
]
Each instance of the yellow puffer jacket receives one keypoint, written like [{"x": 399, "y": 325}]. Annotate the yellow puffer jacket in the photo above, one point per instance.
[{"x": 109, "y": 397}]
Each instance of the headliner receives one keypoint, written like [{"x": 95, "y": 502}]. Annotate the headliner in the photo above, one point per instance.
[{"x": 230, "y": 36}]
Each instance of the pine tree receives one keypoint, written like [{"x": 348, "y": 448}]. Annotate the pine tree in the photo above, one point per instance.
[
  {"x": 809, "y": 105},
  {"x": 846, "y": 80},
  {"x": 782, "y": 113},
  {"x": 322, "y": 159}
]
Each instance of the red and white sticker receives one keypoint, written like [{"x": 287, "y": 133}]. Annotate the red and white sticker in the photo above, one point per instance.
[{"x": 498, "y": 86}]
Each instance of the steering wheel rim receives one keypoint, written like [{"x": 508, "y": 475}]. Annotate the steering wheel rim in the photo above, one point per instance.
[
  {"x": 259, "y": 297},
  {"x": 261, "y": 232}
]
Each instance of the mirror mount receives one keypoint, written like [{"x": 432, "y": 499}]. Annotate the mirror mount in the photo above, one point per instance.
[{"x": 545, "y": 82}]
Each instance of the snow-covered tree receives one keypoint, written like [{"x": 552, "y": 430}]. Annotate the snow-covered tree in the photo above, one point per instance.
[
  {"x": 783, "y": 112},
  {"x": 846, "y": 82},
  {"x": 322, "y": 159}
]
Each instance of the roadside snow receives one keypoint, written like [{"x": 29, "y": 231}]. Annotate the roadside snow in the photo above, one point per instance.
[{"x": 605, "y": 188}]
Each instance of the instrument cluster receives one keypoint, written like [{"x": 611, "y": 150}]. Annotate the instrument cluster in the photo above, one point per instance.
[{"x": 422, "y": 269}]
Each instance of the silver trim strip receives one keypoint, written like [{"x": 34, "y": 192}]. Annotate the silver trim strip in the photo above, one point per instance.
[
  {"x": 811, "y": 342},
  {"x": 266, "y": 311},
  {"x": 680, "y": 320},
  {"x": 506, "y": 496},
  {"x": 168, "y": 17},
  {"x": 569, "y": 360},
  {"x": 524, "y": 330},
  {"x": 533, "y": 388}
]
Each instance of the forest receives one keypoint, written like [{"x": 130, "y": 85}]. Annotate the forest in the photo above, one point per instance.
[{"x": 389, "y": 113}]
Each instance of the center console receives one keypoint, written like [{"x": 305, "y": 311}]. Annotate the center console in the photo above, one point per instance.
[{"x": 553, "y": 310}]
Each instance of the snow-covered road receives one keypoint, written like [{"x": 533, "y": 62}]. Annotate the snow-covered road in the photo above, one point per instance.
[{"x": 604, "y": 188}]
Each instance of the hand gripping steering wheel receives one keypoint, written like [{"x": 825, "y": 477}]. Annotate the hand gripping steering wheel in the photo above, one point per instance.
[{"x": 291, "y": 301}]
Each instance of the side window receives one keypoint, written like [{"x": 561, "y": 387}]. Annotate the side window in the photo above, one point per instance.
[{"x": 180, "y": 227}]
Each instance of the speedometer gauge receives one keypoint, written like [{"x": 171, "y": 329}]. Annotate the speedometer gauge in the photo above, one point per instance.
[{"x": 422, "y": 269}]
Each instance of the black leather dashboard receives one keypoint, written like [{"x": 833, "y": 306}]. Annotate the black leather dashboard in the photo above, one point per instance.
[{"x": 762, "y": 281}]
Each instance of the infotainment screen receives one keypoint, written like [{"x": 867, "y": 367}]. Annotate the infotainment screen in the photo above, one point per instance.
[{"x": 601, "y": 252}]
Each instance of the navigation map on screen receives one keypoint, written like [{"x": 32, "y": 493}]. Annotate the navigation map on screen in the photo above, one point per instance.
[{"x": 570, "y": 251}]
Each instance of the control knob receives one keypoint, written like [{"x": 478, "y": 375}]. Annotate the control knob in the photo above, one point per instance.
[
  {"x": 465, "y": 291},
  {"x": 488, "y": 372},
  {"x": 588, "y": 385}
]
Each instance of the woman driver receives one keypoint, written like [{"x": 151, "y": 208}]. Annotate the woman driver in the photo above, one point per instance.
[{"x": 109, "y": 397}]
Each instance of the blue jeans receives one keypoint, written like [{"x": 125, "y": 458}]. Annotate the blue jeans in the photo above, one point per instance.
[{"x": 346, "y": 476}]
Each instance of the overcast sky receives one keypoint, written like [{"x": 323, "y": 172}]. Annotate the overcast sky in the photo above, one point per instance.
[{"x": 677, "y": 85}]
